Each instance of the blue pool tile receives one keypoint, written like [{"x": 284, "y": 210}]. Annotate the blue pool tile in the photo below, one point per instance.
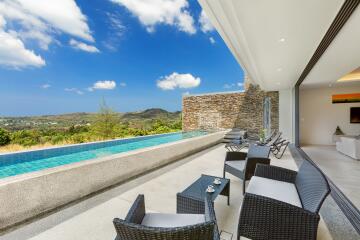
[{"x": 19, "y": 163}]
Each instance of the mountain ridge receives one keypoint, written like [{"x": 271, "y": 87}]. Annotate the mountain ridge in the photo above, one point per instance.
[{"x": 82, "y": 118}]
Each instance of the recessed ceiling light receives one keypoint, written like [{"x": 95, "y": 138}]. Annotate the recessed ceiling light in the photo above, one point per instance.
[
  {"x": 278, "y": 83},
  {"x": 282, "y": 40},
  {"x": 279, "y": 69}
]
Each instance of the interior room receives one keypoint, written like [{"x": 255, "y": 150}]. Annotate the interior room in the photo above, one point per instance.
[{"x": 330, "y": 129}]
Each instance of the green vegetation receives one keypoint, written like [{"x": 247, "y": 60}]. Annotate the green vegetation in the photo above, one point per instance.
[
  {"x": 4, "y": 137},
  {"x": 106, "y": 122},
  {"x": 84, "y": 127}
]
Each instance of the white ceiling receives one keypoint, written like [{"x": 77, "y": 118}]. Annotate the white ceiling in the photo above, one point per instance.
[
  {"x": 253, "y": 31},
  {"x": 353, "y": 76},
  {"x": 351, "y": 79},
  {"x": 341, "y": 57}
]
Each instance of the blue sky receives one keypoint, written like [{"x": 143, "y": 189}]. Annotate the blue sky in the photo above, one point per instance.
[{"x": 137, "y": 54}]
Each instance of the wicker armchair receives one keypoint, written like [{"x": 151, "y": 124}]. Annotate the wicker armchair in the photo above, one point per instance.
[
  {"x": 139, "y": 225},
  {"x": 242, "y": 165},
  {"x": 274, "y": 212}
]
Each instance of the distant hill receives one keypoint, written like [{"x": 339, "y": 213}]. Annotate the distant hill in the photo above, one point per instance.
[
  {"x": 152, "y": 113},
  {"x": 82, "y": 118}
]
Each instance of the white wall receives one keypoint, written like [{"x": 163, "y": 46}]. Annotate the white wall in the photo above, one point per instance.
[
  {"x": 319, "y": 117},
  {"x": 286, "y": 114}
]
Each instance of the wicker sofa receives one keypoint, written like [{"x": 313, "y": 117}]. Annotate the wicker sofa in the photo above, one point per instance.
[
  {"x": 283, "y": 204},
  {"x": 139, "y": 225},
  {"x": 242, "y": 165}
]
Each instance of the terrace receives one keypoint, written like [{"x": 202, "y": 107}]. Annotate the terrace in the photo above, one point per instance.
[
  {"x": 292, "y": 73},
  {"x": 92, "y": 218}
]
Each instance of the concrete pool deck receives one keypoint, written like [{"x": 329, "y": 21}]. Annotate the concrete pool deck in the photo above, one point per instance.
[{"x": 91, "y": 219}]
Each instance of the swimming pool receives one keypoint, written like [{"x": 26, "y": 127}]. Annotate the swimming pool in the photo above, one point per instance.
[{"x": 30, "y": 161}]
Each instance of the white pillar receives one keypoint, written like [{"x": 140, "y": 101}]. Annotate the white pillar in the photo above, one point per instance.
[{"x": 286, "y": 114}]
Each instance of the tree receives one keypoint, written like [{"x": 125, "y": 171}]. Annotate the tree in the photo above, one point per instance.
[
  {"x": 26, "y": 137},
  {"x": 160, "y": 127},
  {"x": 4, "y": 137},
  {"x": 106, "y": 122}
]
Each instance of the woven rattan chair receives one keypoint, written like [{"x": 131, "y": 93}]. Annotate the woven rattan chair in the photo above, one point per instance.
[
  {"x": 283, "y": 204},
  {"x": 279, "y": 148},
  {"x": 242, "y": 165},
  {"x": 139, "y": 225}
]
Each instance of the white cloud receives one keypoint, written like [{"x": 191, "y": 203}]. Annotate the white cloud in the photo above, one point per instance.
[
  {"x": 115, "y": 24},
  {"x": 83, "y": 46},
  {"x": 45, "y": 86},
  {"x": 205, "y": 23},
  {"x": 40, "y": 21},
  {"x": 103, "y": 85},
  {"x": 176, "y": 80},
  {"x": 63, "y": 15},
  {"x": 212, "y": 40},
  {"x": 153, "y": 12},
  {"x": 2, "y": 21},
  {"x": 116, "y": 30},
  {"x": 43, "y": 39},
  {"x": 233, "y": 85},
  {"x": 186, "y": 93},
  {"x": 122, "y": 84},
  {"x": 229, "y": 85},
  {"x": 75, "y": 90},
  {"x": 13, "y": 53}
]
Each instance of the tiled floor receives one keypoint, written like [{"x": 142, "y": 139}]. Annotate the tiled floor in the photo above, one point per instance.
[
  {"x": 91, "y": 219},
  {"x": 344, "y": 171}
]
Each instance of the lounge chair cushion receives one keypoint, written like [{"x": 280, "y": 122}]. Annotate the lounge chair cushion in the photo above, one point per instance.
[
  {"x": 171, "y": 220},
  {"x": 281, "y": 191},
  {"x": 239, "y": 165}
]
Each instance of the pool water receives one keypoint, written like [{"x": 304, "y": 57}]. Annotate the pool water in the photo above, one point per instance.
[{"x": 19, "y": 163}]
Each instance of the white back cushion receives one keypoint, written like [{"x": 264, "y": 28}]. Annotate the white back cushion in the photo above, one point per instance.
[{"x": 171, "y": 220}]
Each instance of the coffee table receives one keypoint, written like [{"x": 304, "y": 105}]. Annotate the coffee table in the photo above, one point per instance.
[{"x": 191, "y": 200}]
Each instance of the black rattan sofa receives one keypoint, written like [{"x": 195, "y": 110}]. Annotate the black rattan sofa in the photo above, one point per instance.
[
  {"x": 139, "y": 225},
  {"x": 242, "y": 165},
  {"x": 283, "y": 204}
]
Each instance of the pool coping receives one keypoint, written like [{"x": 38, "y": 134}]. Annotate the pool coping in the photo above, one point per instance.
[
  {"x": 86, "y": 143},
  {"x": 65, "y": 167},
  {"x": 31, "y": 194}
]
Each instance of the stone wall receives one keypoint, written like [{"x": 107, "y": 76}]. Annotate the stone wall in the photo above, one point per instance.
[{"x": 228, "y": 110}]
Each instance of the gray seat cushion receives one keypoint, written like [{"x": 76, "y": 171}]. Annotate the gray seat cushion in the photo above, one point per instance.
[
  {"x": 171, "y": 220},
  {"x": 281, "y": 191},
  {"x": 258, "y": 151},
  {"x": 239, "y": 165}
]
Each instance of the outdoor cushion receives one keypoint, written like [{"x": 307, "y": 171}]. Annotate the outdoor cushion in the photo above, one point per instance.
[
  {"x": 171, "y": 220},
  {"x": 239, "y": 165},
  {"x": 282, "y": 191},
  {"x": 258, "y": 151}
]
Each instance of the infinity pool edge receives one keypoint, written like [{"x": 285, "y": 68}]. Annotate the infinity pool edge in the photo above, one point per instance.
[{"x": 29, "y": 195}]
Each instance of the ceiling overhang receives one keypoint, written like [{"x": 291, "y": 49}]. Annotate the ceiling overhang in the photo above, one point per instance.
[{"x": 273, "y": 41}]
